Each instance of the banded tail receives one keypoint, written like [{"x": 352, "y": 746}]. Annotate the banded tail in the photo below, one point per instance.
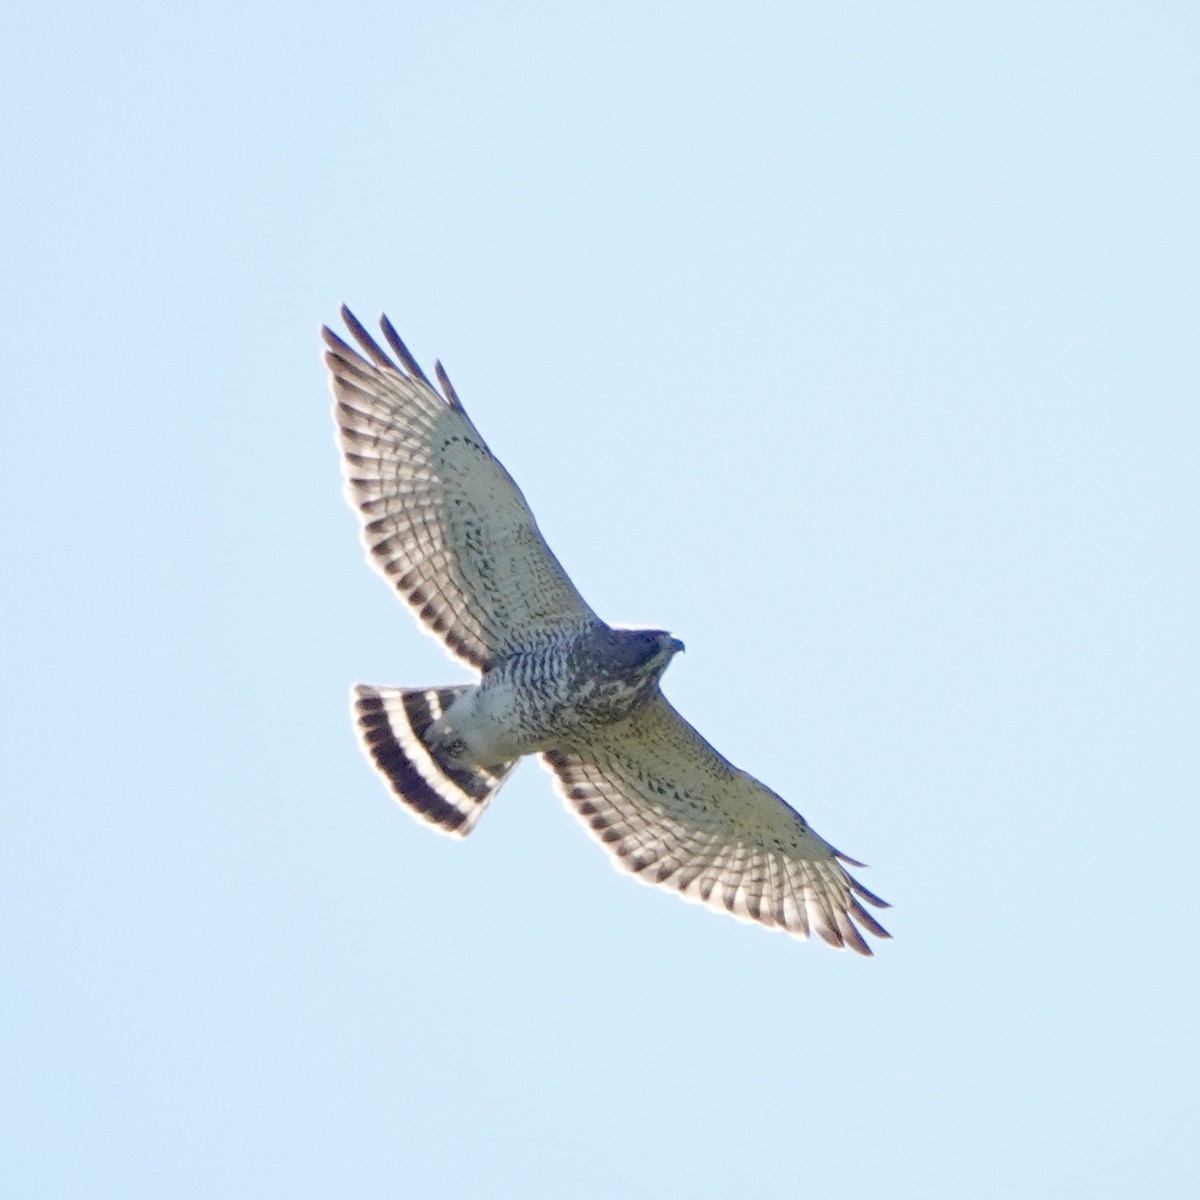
[{"x": 392, "y": 726}]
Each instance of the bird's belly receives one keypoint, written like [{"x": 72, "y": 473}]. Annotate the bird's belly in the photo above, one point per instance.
[
  {"x": 513, "y": 713},
  {"x": 501, "y": 721}
]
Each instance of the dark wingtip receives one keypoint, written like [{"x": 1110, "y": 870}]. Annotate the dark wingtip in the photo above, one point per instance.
[
  {"x": 847, "y": 859},
  {"x": 867, "y": 895},
  {"x": 337, "y": 344},
  {"x": 401, "y": 350},
  {"x": 366, "y": 341},
  {"x": 447, "y": 387}
]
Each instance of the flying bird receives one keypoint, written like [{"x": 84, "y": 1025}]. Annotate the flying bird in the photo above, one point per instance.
[{"x": 448, "y": 528}]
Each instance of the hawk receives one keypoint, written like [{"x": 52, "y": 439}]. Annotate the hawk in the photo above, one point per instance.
[{"x": 448, "y": 528}]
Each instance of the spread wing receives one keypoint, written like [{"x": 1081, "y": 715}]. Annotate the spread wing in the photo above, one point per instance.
[
  {"x": 442, "y": 520},
  {"x": 676, "y": 813}
]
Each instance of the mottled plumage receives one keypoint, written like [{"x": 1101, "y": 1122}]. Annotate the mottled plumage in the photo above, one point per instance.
[{"x": 449, "y": 529}]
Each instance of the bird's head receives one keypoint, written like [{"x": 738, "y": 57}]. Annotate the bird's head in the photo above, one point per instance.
[
  {"x": 646, "y": 652},
  {"x": 667, "y": 644}
]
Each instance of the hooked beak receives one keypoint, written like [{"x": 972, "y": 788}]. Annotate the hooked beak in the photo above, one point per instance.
[{"x": 677, "y": 646}]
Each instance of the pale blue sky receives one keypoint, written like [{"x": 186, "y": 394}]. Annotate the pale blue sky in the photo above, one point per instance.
[{"x": 855, "y": 344}]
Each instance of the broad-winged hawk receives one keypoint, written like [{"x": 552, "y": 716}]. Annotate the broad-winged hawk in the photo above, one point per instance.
[{"x": 448, "y": 528}]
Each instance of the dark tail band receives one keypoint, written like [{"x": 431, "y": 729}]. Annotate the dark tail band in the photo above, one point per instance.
[{"x": 392, "y": 724}]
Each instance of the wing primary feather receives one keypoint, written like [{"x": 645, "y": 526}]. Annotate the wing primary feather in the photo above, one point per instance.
[
  {"x": 868, "y": 896},
  {"x": 349, "y": 364},
  {"x": 366, "y": 341},
  {"x": 342, "y": 351},
  {"x": 402, "y": 351},
  {"x": 865, "y": 919},
  {"x": 850, "y": 935},
  {"x": 447, "y": 387}
]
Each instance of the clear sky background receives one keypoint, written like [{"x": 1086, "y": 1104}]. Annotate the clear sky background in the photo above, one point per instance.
[{"x": 855, "y": 344}]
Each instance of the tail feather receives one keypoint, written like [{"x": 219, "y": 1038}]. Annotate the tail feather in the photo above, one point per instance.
[{"x": 392, "y": 726}]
